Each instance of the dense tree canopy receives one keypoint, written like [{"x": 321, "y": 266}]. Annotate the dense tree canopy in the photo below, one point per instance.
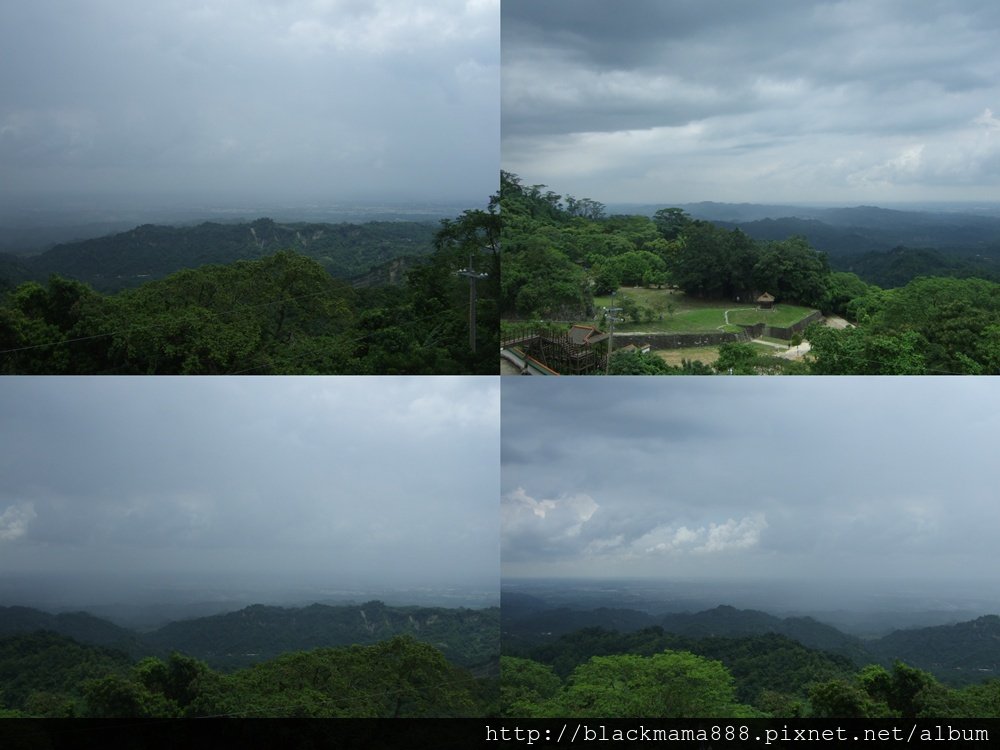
[
  {"x": 556, "y": 257},
  {"x": 48, "y": 675},
  {"x": 931, "y": 325},
  {"x": 281, "y": 314},
  {"x": 602, "y": 673}
]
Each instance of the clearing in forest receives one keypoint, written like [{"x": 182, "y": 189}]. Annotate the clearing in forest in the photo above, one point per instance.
[{"x": 672, "y": 311}]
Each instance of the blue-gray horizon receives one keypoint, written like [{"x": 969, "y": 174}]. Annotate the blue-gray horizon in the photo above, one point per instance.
[
  {"x": 262, "y": 483},
  {"x": 302, "y": 100}
]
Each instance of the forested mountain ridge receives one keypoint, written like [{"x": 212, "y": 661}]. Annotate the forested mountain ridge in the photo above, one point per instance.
[
  {"x": 467, "y": 637},
  {"x": 945, "y": 232},
  {"x": 80, "y": 626},
  {"x": 965, "y": 652},
  {"x": 852, "y": 229},
  {"x": 699, "y": 672},
  {"x": 958, "y": 654},
  {"x": 719, "y": 622},
  {"x": 150, "y": 251}
]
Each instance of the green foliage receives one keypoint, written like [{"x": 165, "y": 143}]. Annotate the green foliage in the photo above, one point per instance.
[
  {"x": 39, "y": 672},
  {"x": 740, "y": 358},
  {"x": 713, "y": 262},
  {"x": 633, "y": 267},
  {"x": 398, "y": 678},
  {"x": 671, "y": 222},
  {"x": 874, "y": 692},
  {"x": 117, "y": 697},
  {"x": 760, "y": 664},
  {"x": 932, "y": 325},
  {"x": 557, "y": 258},
  {"x": 841, "y": 289},
  {"x": 858, "y": 351},
  {"x": 280, "y": 314},
  {"x": 672, "y": 684},
  {"x": 467, "y": 637},
  {"x": 637, "y": 363},
  {"x": 772, "y": 674},
  {"x": 527, "y": 688},
  {"x": 901, "y": 265},
  {"x": 844, "y": 699},
  {"x": 792, "y": 271},
  {"x": 47, "y": 675},
  {"x": 129, "y": 259}
]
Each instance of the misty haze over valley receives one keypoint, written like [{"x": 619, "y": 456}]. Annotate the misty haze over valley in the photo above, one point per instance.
[{"x": 862, "y": 608}]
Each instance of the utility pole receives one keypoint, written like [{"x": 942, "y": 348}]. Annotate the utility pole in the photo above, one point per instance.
[
  {"x": 611, "y": 315},
  {"x": 473, "y": 277}
]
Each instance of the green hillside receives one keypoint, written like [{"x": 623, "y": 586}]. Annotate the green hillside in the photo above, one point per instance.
[
  {"x": 131, "y": 258},
  {"x": 467, "y": 637}
]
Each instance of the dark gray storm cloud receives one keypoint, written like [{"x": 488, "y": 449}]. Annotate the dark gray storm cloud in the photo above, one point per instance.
[
  {"x": 834, "y": 100},
  {"x": 816, "y": 478},
  {"x": 349, "y": 481},
  {"x": 308, "y": 99}
]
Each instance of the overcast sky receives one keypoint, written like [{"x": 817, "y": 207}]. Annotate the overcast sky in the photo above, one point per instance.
[
  {"x": 337, "y": 482},
  {"x": 284, "y": 100},
  {"x": 856, "y": 101},
  {"x": 787, "y": 479}
]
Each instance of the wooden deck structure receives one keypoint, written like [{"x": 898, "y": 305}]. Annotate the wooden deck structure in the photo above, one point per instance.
[{"x": 557, "y": 350}]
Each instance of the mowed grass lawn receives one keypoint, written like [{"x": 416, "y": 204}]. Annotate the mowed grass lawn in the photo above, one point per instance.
[
  {"x": 675, "y": 357},
  {"x": 693, "y": 315}
]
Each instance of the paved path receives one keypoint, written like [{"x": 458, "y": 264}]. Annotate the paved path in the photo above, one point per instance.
[
  {"x": 735, "y": 309},
  {"x": 794, "y": 352},
  {"x": 770, "y": 343},
  {"x": 835, "y": 321}
]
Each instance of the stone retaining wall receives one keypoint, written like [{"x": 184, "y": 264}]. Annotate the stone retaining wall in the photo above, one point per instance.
[
  {"x": 786, "y": 333},
  {"x": 713, "y": 338},
  {"x": 677, "y": 340}
]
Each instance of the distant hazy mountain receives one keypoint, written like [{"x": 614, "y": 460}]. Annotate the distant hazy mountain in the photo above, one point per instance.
[
  {"x": 858, "y": 229},
  {"x": 467, "y": 637},
  {"x": 729, "y": 622},
  {"x": 130, "y": 258},
  {"x": 28, "y": 229},
  {"x": 80, "y": 626},
  {"x": 963, "y": 652}
]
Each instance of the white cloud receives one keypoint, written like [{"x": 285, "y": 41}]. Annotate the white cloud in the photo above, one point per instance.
[
  {"x": 889, "y": 91},
  {"x": 734, "y": 535},
  {"x": 568, "y": 513},
  {"x": 14, "y": 521},
  {"x": 711, "y": 538}
]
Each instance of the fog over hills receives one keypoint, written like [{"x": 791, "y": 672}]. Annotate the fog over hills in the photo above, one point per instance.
[
  {"x": 865, "y": 610},
  {"x": 28, "y": 228}
]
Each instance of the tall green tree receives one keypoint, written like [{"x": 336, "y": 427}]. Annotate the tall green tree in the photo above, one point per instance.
[{"x": 672, "y": 684}]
